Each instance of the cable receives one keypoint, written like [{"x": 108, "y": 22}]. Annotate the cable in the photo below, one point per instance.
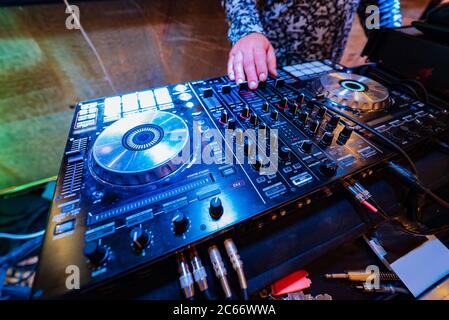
[
  {"x": 411, "y": 180},
  {"x": 92, "y": 47},
  {"x": 13, "y": 236}
]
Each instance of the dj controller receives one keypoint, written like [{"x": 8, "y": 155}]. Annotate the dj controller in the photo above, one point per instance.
[{"x": 148, "y": 174}]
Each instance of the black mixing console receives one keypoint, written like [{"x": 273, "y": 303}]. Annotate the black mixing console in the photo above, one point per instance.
[{"x": 149, "y": 173}]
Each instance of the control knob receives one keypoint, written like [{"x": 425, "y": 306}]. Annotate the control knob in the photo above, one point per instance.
[
  {"x": 232, "y": 124},
  {"x": 140, "y": 238},
  {"x": 313, "y": 126},
  {"x": 274, "y": 115},
  {"x": 224, "y": 117},
  {"x": 265, "y": 107},
  {"x": 216, "y": 208},
  {"x": 96, "y": 253},
  {"x": 306, "y": 146},
  {"x": 326, "y": 139},
  {"x": 303, "y": 117},
  {"x": 293, "y": 108},
  {"x": 245, "y": 112},
  {"x": 321, "y": 112},
  {"x": 328, "y": 167},
  {"x": 253, "y": 119},
  {"x": 284, "y": 103},
  {"x": 284, "y": 153},
  {"x": 180, "y": 223},
  {"x": 345, "y": 134},
  {"x": 301, "y": 98},
  {"x": 333, "y": 122}
]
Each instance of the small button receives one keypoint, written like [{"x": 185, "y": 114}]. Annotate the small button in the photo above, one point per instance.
[
  {"x": 261, "y": 180},
  {"x": 287, "y": 169}
]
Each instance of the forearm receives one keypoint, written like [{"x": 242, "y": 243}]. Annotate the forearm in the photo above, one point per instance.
[{"x": 243, "y": 18}]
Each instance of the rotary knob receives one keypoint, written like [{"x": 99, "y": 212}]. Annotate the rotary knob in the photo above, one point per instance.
[
  {"x": 293, "y": 108},
  {"x": 253, "y": 119},
  {"x": 96, "y": 253},
  {"x": 216, "y": 208},
  {"x": 140, "y": 238},
  {"x": 328, "y": 167},
  {"x": 232, "y": 124},
  {"x": 284, "y": 103},
  {"x": 306, "y": 146},
  {"x": 263, "y": 126},
  {"x": 303, "y": 117},
  {"x": 284, "y": 153},
  {"x": 333, "y": 122},
  {"x": 180, "y": 223},
  {"x": 345, "y": 134},
  {"x": 274, "y": 115},
  {"x": 301, "y": 98},
  {"x": 313, "y": 126},
  {"x": 326, "y": 139},
  {"x": 224, "y": 117},
  {"x": 265, "y": 107},
  {"x": 245, "y": 112},
  {"x": 321, "y": 112}
]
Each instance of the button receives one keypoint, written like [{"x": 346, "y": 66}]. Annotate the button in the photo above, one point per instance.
[
  {"x": 64, "y": 227},
  {"x": 261, "y": 179},
  {"x": 296, "y": 165},
  {"x": 271, "y": 176},
  {"x": 287, "y": 169},
  {"x": 228, "y": 171}
]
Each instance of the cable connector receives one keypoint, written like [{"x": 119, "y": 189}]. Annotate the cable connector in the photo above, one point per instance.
[
  {"x": 185, "y": 278},
  {"x": 237, "y": 264},
  {"x": 220, "y": 270},
  {"x": 198, "y": 270}
]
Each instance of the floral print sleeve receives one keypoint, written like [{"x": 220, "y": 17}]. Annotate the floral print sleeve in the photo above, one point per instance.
[
  {"x": 299, "y": 30},
  {"x": 243, "y": 18}
]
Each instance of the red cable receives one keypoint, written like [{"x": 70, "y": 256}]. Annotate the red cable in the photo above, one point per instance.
[{"x": 369, "y": 206}]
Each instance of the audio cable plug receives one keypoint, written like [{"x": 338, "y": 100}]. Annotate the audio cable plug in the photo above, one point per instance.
[
  {"x": 382, "y": 289},
  {"x": 237, "y": 264},
  {"x": 199, "y": 273},
  {"x": 185, "y": 278},
  {"x": 361, "y": 275},
  {"x": 360, "y": 194},
  {"x": 220, "y": 270}
]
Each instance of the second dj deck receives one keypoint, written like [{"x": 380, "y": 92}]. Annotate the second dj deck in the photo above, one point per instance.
[{"x": 149, "y": 173}]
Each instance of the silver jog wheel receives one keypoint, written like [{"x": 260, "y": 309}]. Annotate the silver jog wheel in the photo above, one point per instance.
[
  {"x": 356, "y": 92},
  {"x": 140, "y": 148}
]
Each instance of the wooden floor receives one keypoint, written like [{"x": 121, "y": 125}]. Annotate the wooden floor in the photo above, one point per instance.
[{"x": 44, "y": 67}]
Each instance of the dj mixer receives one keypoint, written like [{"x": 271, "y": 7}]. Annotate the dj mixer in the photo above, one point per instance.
[{"x": 147, "y": 174}]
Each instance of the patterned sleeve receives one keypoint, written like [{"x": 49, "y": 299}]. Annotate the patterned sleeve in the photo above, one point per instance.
[{"x": 243, "y": 18}]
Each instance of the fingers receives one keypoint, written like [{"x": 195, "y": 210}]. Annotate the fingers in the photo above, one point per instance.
[
  {"x": 238, "y": 67},
  {"x": 231, "y": 74},
  {"x": 271, "y": 60},
  {"x": 250, "y": 69},
  {"x": 260, "y": 59}
]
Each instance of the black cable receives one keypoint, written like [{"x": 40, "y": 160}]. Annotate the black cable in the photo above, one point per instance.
[
  {"x": 245, "y": 294},
  {"x": 207, "y": 295}
]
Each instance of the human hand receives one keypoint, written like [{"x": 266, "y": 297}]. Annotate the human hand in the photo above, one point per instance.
[{"x": 251, "y": 59}]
